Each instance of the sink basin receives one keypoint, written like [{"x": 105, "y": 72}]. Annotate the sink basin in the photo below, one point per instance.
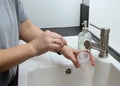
[
  {"x": 51, "y": 69},
  {"x": 58, "y": 76}
]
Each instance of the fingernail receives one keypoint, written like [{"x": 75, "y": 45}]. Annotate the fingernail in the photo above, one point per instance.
[
  {"x": 77, "y": 66},
  {"x": 93, "y": 64}
]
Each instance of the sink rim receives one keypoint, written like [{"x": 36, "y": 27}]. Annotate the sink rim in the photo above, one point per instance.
[{"x": 24, "y": 68}]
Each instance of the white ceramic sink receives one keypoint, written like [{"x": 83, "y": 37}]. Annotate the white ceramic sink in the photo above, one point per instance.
[{"x": 51, "y": 69}]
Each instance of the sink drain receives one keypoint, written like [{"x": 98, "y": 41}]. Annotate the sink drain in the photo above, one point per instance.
[{"x": 68, "y": 71}]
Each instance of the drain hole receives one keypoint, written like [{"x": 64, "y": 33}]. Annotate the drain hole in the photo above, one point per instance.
[{"x": 68, "y": 71}]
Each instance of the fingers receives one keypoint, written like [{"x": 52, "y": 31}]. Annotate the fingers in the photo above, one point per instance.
[
  {"x": 56, "y": 45},
  {"x": 73, "y": 57},
  {"x": 75, "y": 62},
  {"x": 57, "y": 36},
  {"x": 51, "y": 41},
  {"x": 59, "y": 42},
  {"x": 91, "y": 58}
]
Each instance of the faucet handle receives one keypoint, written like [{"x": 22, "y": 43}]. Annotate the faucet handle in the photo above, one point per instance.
[
  {"x": 104, "y": 41},
  {"x": 105, "y": 31}
]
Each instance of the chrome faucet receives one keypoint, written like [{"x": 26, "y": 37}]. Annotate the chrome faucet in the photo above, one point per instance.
[{"x": 102, "y": 46}]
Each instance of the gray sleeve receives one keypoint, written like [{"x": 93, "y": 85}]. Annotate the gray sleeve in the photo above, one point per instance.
[{"x": 22, "y": 15}]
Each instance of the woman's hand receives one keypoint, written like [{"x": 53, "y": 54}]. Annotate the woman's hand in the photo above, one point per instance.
[
  {"x": 72, "y": 54},
  {"x": 47, "y": 41}
]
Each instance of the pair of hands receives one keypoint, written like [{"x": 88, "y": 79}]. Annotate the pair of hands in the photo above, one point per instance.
[{"x": 50, "y": 41}]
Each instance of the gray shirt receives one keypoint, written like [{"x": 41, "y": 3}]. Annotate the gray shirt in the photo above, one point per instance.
[{"x": 11, "y": 15}]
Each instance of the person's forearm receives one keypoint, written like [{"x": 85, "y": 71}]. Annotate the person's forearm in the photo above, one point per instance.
[
  {"x": 14, "y": 56},
  {"x": 29, "y": 31}
]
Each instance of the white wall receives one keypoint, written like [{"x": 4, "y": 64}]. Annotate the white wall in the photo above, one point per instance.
[
  {"x": 106, "y": 13},
  {"x": 86, "y": 2},
  {"x": 53, "y": 13}
]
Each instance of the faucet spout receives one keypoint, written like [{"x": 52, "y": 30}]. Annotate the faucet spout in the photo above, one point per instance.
[{"x": 89, "y": 45}]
